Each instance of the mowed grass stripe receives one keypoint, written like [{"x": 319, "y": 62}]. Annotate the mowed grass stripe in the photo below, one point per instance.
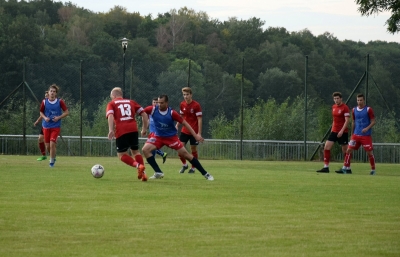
[{"x": 251, "y": 209}]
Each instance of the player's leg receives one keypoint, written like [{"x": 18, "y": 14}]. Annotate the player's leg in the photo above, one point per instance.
[
  {"x": 133, "y": 139},
  {"x": 327, "y": 152},
  {"x": 354, "y": 144},
  {"x": 151, "y": 145},
  {"x": 344, "y": 142},
  {"x": 162, "y": 154},
  {"x": 134, "y": 147},
  {"x": 123, "y": 143},
  {"x": 42, "y": 146},
  {"x": 193, "y": 149},
  {"x": 54, "y": 133},
  {"x": 46, "y": 138},
  {"x": 371, "y": 158},
  {"x": 368, "y": 147},
  {"x": 184, "y": 153},
  {"x": 184, "y": 138}
]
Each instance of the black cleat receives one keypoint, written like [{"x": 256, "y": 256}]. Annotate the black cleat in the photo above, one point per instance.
[
  {"x": 164, "y": 157},
  {"x": 183, "y": 169},
  {"x": 323, "y": 170},
  {"x": 343, "y": 171}
]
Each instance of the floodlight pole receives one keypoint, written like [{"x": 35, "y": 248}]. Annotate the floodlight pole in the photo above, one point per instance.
[
  {"x": 305, "y": 108},
  {"x": 366, "y": 78},
  {"x": 124, "y": 42}
]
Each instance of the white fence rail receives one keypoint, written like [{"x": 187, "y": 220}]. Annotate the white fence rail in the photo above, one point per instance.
[{"x": 211, "y": 149}]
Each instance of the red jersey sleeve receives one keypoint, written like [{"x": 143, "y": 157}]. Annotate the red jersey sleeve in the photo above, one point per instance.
[
  {"x": 176, "y": 117},
  {"x": 42, "y": 106},
  {"x": 110, "y": 109},
  {"x": 371, "y": 113},
  {"x": 149, "y": 109},
  {"x": 63, "y": 105}
]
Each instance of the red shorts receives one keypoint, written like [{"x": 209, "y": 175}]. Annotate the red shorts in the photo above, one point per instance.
[
  {"x": 357, "y": 141},
  {"x": 151, "y": 135},
  {"x": 171, "y": 142},
  {"x": 51, "y": 134}
]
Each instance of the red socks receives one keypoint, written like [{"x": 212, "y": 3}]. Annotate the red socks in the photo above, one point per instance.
[
  {"x": 139, "y": 159},
  {"x": 42, "y": 148},
  {"x": 372, "y": 161},
  {"x": 129, "y": 160},
  {"x": 327, "y": 157}
]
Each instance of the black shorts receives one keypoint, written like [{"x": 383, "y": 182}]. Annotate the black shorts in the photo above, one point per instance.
[
  {"x": 184, "y": 138},
  {"x": 126, "y": 141},
  {"x": 41, "y": 131},
  {"x": 343, "y": 140}
]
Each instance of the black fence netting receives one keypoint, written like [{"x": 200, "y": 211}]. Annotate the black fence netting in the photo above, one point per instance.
[{"x": 85, "y": 87}]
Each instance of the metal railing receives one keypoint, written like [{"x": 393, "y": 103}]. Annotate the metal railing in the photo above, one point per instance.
[{"x": 212, "y": 149}]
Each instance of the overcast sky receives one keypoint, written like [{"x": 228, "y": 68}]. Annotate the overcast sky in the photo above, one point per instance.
[{"x": 338, "y": 17}]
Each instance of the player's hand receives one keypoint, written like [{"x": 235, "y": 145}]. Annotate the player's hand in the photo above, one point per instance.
[
  {"x": 111, "y": 135},
  {"x": 144, "y": 133},
  {"x": 34, "y": 124},
  {"x": 364, "y": 130},
  {"x": 47, "y": 119},
  {"x": 56, "y": 118},
  {"x": 199, "y": 138},
  {"x": 339, "y": 134}
]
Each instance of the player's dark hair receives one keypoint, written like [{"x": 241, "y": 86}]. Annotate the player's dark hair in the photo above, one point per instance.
[
  {"x": 361, "y": 95},
  {"x": 337, "y": 94},
  {"x": 165, "y": 97},
  {"x": 155, "y": 98}
]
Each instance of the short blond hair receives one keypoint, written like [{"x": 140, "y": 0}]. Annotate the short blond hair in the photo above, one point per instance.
[
  {"x": 187, "y": 90},
  {"x": 116, "y": 91}
]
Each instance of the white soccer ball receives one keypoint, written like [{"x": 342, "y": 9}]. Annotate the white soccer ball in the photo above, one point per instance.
[{"x": 97, "y": 171}]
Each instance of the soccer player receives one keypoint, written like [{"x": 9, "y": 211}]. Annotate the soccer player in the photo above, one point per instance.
[
  {"x": 122, "y": 126},
  {"x": 363, "y": 121},
  {"x": 166, "y": 134},
  {"x": 152, "y": 130},
  {"x": 52, "y": 110},
  {"x": 41, "y": 144},
  {"x": 339, "y": 131},
  {"x": 190, "y": 111}
]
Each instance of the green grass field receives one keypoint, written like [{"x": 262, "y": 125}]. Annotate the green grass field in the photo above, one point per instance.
[{"x": 251, "y": 209}]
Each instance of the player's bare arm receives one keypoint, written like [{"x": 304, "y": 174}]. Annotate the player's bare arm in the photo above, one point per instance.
[
  {"x": 198, "y": 137},
  {"x": 346, "y": 123},
  {"x": 37, "y": 121},
  {"x": 63, "y": 115},
  {"x": 145, "y": 123},
  {"x": 47, "y": 119},
  {"x": 373, "y": 121},
  {"x": 200, "y": 124},
  {"x": 111, "y": 133}
]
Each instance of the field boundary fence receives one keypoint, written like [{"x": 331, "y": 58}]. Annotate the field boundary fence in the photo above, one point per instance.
[{"x": 213, "y": 149}]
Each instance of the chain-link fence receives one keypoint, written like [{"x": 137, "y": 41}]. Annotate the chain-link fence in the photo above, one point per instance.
[
  {"x": 212, "y": 149},
  {"x": 86, "y": 85}
]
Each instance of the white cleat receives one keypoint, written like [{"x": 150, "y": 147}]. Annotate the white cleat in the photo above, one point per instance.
[
  {"x": 157, "y": 175},
  {"x": 208, "y": 176}
]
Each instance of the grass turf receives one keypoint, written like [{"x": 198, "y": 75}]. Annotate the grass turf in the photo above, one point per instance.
[{"x": 251, "y": 209}]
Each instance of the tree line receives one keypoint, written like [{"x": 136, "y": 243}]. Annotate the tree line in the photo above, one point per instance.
[{"x": 54, "y": 38}]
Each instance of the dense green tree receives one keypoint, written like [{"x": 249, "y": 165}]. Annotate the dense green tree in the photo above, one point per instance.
[
  {"x": 274, "y": 83},
  {"x": 70, "y": 125},
  {"x": 244, "y": 33},
  {"x": 147, "y": 29},
  {"x": 264, "y": 121},
  {"x": 100, "y": 124},
  {"x": 74, "y": 47},
  {"x": 369, "y": 7}
]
